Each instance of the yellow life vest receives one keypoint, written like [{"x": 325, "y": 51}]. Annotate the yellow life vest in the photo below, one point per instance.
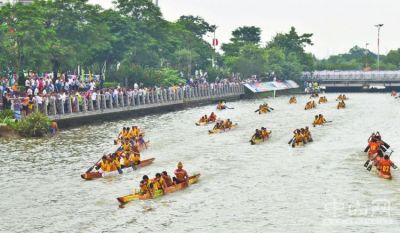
[{"x": 104, "y": 166}]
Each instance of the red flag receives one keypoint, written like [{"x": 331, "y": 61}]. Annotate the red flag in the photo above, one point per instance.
[{"x": 215, "y": 42}]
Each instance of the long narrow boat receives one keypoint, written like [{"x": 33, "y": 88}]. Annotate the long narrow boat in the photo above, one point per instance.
[
  {"x": 136, "y": 196},
  {"x": 259, "y": 140},
  {"x": 96, "y": 175},
  {"x": 263, "y": 110},
  {"x": 214, "y": 131}
]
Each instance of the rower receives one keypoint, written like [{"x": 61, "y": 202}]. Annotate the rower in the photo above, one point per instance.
[
  {"x": 264, "y": 133},
  {"x": 221, "y": 105},
  {"x": 167, "y": 179},
  {"x": 302, "y": 133},
  {"x": 217, "y": 125},
  {"x": 227, "y": 124},
  {"x": 298, "y": 137},
  {"x": 158, "y": 183},
  {"x": 180, "y": 174},
  {"x": 307, "y": 134},
  {"x": 203, "y": 119},
  {"x": 384, "y": 167},
  {"x": 373, "y": 147},
  {"x": 103, "y": 165},
  {"x": 316, "y": 121},
  {"x": 257, "y": 135},
  {"x": 135, "y": 157},
  {"x": 321, "y": 119},
  {"x": 135, "y": 149},
  {"x": 145, "y": 185},
  {"x": 115, "y": 164},
  {"x": 140, "y": 140},
  {"x": 126, "y": 146},
  {"x": 212, "y": 117}
]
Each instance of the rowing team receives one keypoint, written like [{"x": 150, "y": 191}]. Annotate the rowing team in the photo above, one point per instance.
[
  {"x": 310, "y": 105},
  {"x": 162, "y": 180},
  {"x": 221, "y": 105},
  {"x": 319, "y": 120},
  {"x": 301, "y": 136},
  {"x": 223, "y": 124},
  {"x": 341, "y": 97},
  {"x": 264, "y": 108},
  {"x": 261, "y": 134},
  {"x": 293, "y": 100},
  {"x": 379, "y": 156},
  {"x": 117, "y": 161},
  {"x": 134, "y": 134},
  {"x": 341, "y": 104},
  {"x": 322, "y": 100},
  {"x": 206, "y": 119}
]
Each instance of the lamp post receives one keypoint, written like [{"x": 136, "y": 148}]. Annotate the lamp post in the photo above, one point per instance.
[
  {"x": 379, "y": 31},
  {"x": 366, "y": 55}
]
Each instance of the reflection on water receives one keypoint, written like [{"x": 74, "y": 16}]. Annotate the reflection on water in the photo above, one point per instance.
[{"x": 264, "y": 188}]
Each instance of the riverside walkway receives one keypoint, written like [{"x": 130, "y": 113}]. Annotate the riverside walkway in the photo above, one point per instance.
[{"x": 73, "y": 111}]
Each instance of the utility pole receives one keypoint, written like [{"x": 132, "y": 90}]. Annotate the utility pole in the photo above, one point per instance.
[
  {"x": 379, "y": 31},
  {"x": 156, "y": 2}
]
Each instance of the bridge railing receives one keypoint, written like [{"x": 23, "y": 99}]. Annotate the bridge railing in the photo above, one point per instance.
[{"x": 352, "y": 76}]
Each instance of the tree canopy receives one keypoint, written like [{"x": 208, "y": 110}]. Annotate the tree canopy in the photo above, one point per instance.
[{"x": 134, "y": 43}]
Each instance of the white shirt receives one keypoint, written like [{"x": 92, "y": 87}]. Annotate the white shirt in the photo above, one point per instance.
[
  {"x": 38, "y": 99},
  {"x": 94, "y": 96}
]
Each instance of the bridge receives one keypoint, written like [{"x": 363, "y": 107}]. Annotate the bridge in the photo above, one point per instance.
[{"x": 355, "y": 80}]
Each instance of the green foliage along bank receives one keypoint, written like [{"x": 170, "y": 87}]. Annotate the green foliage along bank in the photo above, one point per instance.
[{"x": 34, "y": 125}]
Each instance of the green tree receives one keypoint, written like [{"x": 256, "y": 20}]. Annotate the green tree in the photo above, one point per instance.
[
  {"x": 195, "y": 24},
  {"x": 294, "y": 43},
  {"x": 393, "y": 57},
  {"x": 246, "y": 34},
  {"x": 241, "y": 37},
  {"x": 251, "y": 61}
]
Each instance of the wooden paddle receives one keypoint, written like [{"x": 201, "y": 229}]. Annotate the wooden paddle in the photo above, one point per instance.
[{"x": 91, "y": 168}]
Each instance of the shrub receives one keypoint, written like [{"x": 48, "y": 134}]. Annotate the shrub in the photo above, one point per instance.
[
  {"x": 34, "y": 125},
  {"x": 6, "y": 114}
]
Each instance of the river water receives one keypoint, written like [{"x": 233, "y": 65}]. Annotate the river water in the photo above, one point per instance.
[{"x": 271, "y": 187}]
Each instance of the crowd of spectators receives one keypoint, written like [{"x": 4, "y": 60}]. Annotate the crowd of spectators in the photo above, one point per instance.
[{"x": 38, "y": 89}]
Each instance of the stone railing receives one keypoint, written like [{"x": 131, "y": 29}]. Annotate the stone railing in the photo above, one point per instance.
[{"x": 75, "y": 105}]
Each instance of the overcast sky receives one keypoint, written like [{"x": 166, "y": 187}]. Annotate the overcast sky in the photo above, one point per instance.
[{"x": 337, "y": 24}]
